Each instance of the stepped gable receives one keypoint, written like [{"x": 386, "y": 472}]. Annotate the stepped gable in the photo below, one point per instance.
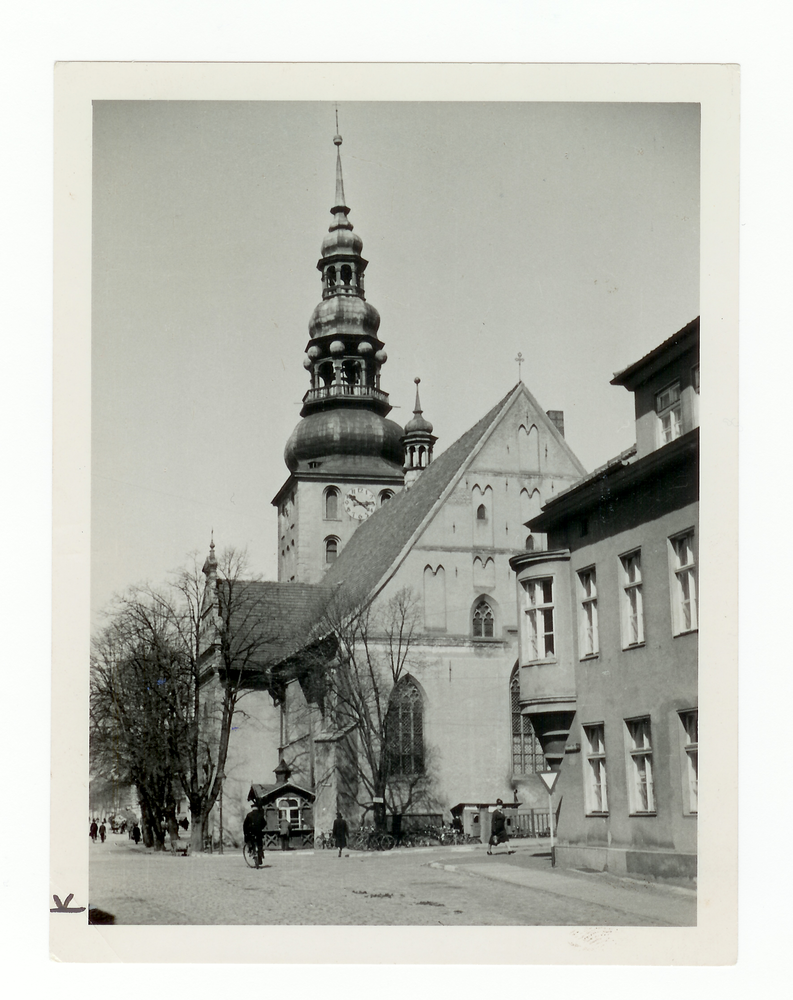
[
  {"x": 275, "y": 618},
  {"x": 376, "y": 545}
]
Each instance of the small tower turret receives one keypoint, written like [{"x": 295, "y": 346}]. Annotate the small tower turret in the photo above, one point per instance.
[{"x": 418, "y": 441}]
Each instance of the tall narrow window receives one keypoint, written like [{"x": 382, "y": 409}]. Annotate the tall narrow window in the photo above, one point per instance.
[
  {"x": 483, "y": 621},
  {"x": 690, "y": 723},
  {"x": 595, "y": 794},
  {"x": 404, "y": 730},
  {"x": 587, "y": 588},
  {"x": 538, "y": 616},
  {"x": 667, "y": 406},
  {"x": 632, "y": 605},
  {"x": 434, "y": 598},
  {"x": 641, "y": 794},
  {"x": 527, "y": 755},
  {"x": 481, "y": 512},
  {"x": 332, "y": 504},
  {"x": 684, "y": 610},
  {"x": 331, "y": 549}
]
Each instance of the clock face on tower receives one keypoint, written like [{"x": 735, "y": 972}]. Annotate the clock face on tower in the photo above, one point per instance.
[{"x": 359, "y": 502}]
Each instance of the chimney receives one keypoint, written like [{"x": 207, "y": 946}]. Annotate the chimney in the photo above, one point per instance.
[{"x": 557, "y": 419}]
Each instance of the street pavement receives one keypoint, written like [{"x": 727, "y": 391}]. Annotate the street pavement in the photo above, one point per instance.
[{"x": 403, "y": 887}]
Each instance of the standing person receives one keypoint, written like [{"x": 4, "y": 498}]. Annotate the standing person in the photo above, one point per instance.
[
  {"x": 253, "y": 832},
  {"x": 94, "y": 829},
  {"x": 498, "y": 828},
  {"x": 284, "y": 829},
  {"x": 136, "y": 833},
  {"x": 340, "y": 831},
  {"x": 102, "y": 831}
]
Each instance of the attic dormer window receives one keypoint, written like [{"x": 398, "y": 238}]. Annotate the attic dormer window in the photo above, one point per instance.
[{"x": 668, "y": 409}]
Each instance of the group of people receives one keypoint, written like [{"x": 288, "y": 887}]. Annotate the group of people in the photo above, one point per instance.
[
  {"x": 254, "y": 828},
  {"x": 101, "y": 830}
]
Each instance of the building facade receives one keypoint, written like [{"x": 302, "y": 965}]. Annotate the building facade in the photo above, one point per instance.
[
  {"x": 370, "y": 509},
  {"x": 608, "y": 635}
]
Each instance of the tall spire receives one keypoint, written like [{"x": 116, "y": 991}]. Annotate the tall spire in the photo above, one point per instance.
[{"x": 340, "y": 211}]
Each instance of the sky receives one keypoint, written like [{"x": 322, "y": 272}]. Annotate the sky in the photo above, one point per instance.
[{"x": 566, "y": 232}]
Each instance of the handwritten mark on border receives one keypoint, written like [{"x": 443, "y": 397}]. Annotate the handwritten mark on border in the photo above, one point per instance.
[{"x": 63, "y": 907}]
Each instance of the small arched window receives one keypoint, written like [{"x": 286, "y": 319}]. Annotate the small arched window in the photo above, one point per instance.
[
  {"x": 385, "y": 495},
  {"x": 404, "y": 730},
  {"x": 331, "y": 272},
  {"x": 530, "y": 543},
  {"x": 331, "y": 549},
  {"x": 332, "y": 504},
  {"x": 481, "y": 512},
  {"x": 346, "y": 274},
  {"x": 483, "y": 621}
]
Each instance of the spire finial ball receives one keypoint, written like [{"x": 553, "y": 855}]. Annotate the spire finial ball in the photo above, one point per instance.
[
  {"x": 417, "y": 380},
  {"x": 337, "y": 140}
]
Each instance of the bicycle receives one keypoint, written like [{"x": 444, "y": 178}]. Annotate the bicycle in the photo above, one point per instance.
[
  {"x": 250, "y": 854},
  {"x": 371, "y": 840}
]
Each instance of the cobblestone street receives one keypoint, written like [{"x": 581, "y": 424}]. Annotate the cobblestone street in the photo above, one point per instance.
[{"x": 418, "y": 886}]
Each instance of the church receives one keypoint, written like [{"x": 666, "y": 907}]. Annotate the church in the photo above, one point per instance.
[{"x": 386, "y": 516}]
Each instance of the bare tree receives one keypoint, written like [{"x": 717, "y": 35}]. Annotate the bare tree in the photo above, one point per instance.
[
  {"x": 367, "y": 693},
  {"x": 168, "y": 672}
]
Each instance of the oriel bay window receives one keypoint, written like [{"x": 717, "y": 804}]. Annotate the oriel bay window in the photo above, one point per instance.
[
  {"x": 527, "y": 755},
  {"x": 539, "y": 619}
]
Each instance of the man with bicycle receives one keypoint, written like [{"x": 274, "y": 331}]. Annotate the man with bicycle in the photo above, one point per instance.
[{"x": 253, "y": 832}]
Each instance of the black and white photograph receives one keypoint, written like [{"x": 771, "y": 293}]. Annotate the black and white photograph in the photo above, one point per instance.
[{"x": 395, "y": 555}]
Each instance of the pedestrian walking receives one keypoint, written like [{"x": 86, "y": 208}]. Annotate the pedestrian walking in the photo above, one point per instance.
[
  {"x": 136, "y": 833},
  {"x": 94, "y": 830},
  {"x": 102, "y": 831},
  {"x": 498, "y": 828},
  {"x": 253, "y": 832},
  {"x": 340, "y": 831},
  {"x": 284, "y": 829}
]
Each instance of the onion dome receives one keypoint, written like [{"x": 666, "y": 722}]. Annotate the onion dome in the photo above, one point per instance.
[
  {"x": 418, "y": 423},
  {"x": 359, "y": 432},
  {"x": 418, "y": 442},
  {"x": 344, "y": 316}
]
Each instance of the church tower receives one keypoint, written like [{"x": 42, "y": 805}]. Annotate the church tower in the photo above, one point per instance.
[{"x": 344, "y": 457}]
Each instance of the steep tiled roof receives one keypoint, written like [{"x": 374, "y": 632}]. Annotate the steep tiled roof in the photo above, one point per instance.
[
  {"x": 376, "y": 545},
  {"x": 639, "y": 370},
  {"x": 271, "y": 620}
]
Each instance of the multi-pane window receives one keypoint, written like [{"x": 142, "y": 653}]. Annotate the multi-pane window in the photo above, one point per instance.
[
  {"x": 539, "y": 618},
  {"x": 527, "y": 755},
  {"x": 588, "y": 595},
  {"x": 668, "y": 408},
  {"x": 404, "y": 730},
  {"x": 289, "y": 809},
  {"x": 684, "y": 604},
  {"x": 640, "y": 766},
  {"x": 690, "y": 723},
  {"x": 483, "y": 621},
  {"x": 595, "y": 793},
  {"x": 632, "y": 604}
]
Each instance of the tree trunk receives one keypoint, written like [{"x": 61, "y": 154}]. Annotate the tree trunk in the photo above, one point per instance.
[{"x": 196, "y": 829}]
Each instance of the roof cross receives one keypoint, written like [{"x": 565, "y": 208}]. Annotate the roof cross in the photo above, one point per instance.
[{"x": 520, "y": 359}]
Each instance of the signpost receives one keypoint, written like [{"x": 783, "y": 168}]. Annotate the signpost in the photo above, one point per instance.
[{"x": 549, "y": 779}]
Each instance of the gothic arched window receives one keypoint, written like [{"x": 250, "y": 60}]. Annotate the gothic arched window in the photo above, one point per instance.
[
  {"x": 527, "y": 755},
  {"x": 404, "y": 730},
  {"x": 483, "y": 621},
  {"x": 331, "y": 549},
  {"x": 331, "y": 504},
  {"x": 481, "y": 512}
]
